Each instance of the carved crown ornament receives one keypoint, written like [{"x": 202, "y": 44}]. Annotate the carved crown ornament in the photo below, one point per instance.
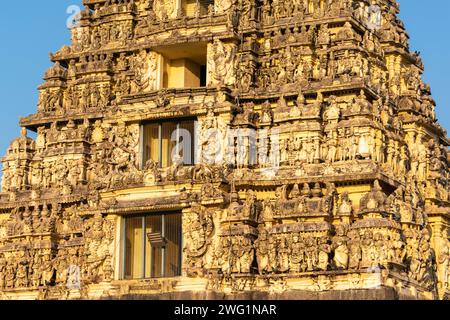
[{"x": 266, "y": 147}]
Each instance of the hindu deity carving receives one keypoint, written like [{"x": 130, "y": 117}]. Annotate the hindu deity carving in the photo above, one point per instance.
[
  {"x": 199, "y": 228},
  {"x": 341, "y": 250},
  {"x": 238, "y": 254},
  {"x": 374, "y": 200},
  {"x": 98, "y": 249},
  {"x": 144, "y": 67},
  {"x": 165, "y": 9},
  {"x": 221, "y": 63},
  {"x": 222, "y": 6},
  {"x": 212, "y": 138},
  {"x": 443, "y": 265},
  {"x": 262, "y": 253},
  {"x": 314, "y": 159}
]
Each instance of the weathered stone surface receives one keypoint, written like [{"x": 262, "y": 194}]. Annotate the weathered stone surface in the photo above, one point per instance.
[
  {"x": 320, "y": 169},
  {"x": 363, "y": 294}
]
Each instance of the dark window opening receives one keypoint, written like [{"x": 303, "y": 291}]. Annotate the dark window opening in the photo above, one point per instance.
[
  {"x": 183, "y": 65},
  {"x": 203, "y": 75}
]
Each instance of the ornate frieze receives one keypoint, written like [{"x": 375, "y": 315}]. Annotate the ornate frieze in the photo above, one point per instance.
[{"x": 317, "y": 162}]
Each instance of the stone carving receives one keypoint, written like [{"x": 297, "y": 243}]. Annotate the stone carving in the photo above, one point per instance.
[
  {"x": 199, "y": 228},
  {"x": 443, "y": 265},
  {"x": 221, "y": 64},
  {"x": 341, "y": 250},
  {"x": 237, "y": 254},
  {"x": 374, "y": 200},
  {"x": 317, "y": 158},
  {"x": 223, "y": 6},
  {"x": 152, "y": 174},
  {"x": 99, "y": 235},
  {"x": 305, "y": 202},
  {"x": 165, "y": 9}
]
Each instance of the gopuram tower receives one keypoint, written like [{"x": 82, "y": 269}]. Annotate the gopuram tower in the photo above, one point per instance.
[{"x": 214, "y": 149}]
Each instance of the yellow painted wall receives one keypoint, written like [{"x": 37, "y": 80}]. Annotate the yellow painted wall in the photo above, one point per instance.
[
  {"x": 176, "y": 74},
  {"x": 190, "y": 7},
  {"x": 182, "y": 73},
  {"x": 191, "y": 74}
]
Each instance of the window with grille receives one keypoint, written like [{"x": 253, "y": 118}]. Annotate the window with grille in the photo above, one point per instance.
[
  {"x": 164, "y": 142},
  {"x": 153, "y": 246}
]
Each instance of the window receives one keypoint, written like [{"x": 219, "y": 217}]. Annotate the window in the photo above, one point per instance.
[
  {"x": 163, "y": 141},
  {"x": 183, "y": 73},
  {"x": 183, "y": 65},
  {"x": 153, "y": 246}
]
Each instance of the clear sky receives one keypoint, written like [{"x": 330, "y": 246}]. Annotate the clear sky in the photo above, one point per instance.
[{"x": 28, "y": 34}]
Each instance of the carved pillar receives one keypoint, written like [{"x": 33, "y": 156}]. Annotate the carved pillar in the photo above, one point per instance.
[
  {"x": 439, "y": 242},
  {"x": 118, "y": 257}
]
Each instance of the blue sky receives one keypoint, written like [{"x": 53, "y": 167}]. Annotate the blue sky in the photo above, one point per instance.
[{"x": 29, "y": 34}]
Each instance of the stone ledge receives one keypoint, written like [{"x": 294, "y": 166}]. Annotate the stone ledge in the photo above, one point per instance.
[{"x": 359, "y": 294}]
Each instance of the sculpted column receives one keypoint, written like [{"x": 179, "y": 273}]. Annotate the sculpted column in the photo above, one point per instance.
[
  {"x": 440, "y": 244},
  {"x": 179, "y": 7}
]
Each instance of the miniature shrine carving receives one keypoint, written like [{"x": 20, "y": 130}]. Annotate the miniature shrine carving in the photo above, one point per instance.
[{"x": 268, "y": 147}]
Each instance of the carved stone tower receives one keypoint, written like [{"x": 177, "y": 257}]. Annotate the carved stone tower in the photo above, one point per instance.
[{"x": 218, "y": 148}]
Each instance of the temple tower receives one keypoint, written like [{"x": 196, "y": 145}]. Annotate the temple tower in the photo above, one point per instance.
[{"x": 237, "y": 148}]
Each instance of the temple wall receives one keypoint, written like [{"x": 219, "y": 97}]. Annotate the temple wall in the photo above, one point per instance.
[{"x": 310, "y": 165}]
